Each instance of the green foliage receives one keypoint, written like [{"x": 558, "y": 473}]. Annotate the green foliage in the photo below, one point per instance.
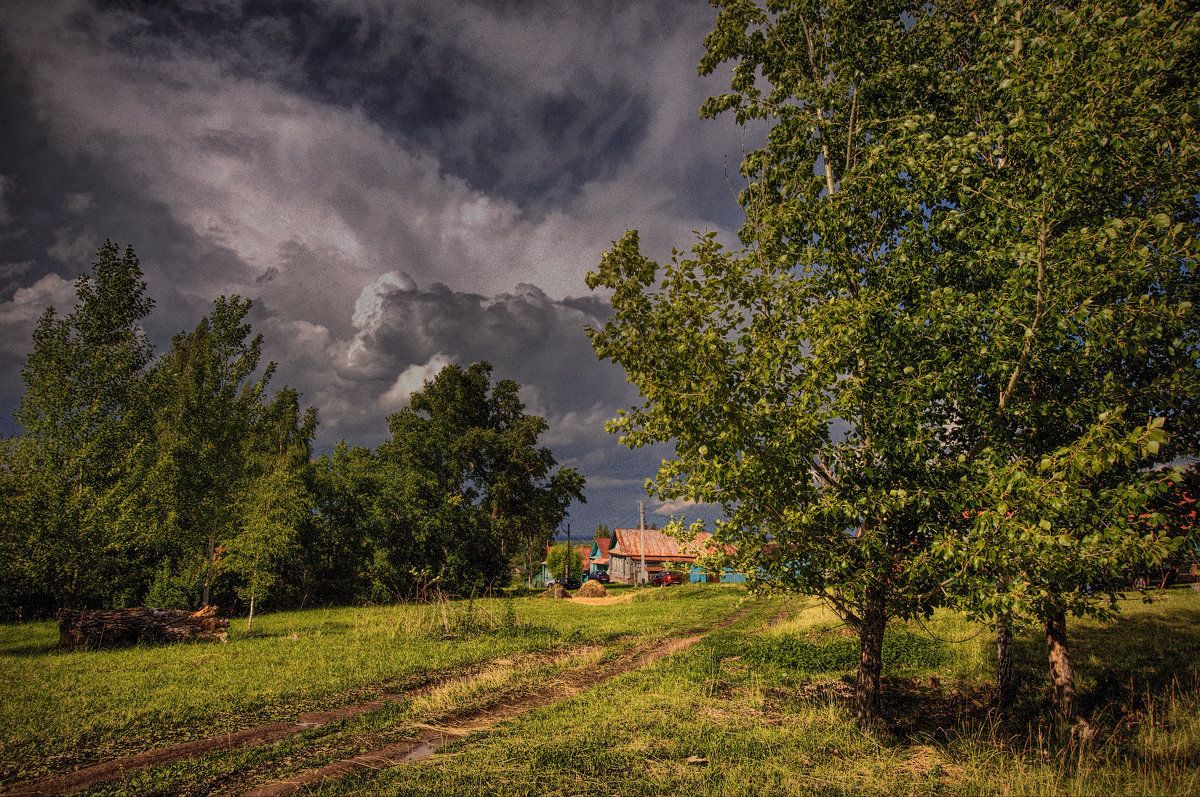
[
  {"x": 966, "y": 282},
  {"x": 185, "y": 481},
  {"x": 334, "y": 559},
  {"x": 468, "y": 486},
  {"x": 560, "y": 559},
  {"x": 84, "y": 426},
  {"x": 225, "y": 490},
  {"x": 132, "y": 478}
]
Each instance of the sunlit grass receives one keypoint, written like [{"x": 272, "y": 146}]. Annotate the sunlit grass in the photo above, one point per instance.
[
  {"x": 731, "y": 715},
  {"x": 762, "y": 730},
  {"x": 57, "y": 707}
]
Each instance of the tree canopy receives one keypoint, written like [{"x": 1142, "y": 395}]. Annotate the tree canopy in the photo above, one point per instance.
[
  {"x": 965, "y": 284},
  {"x": 562, "y": 561},
  {"x": 476, "y": 486},
  {"x": 184, "y": 479}
]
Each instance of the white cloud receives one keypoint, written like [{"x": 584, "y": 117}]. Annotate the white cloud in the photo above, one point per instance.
[
  {"x": 368, "y": 309},
  {"x": 410, "y": 381},
  {"x": 677, "y": 508}
]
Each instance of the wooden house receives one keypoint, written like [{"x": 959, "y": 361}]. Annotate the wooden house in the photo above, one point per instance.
[{"x": 634, "y": 555}]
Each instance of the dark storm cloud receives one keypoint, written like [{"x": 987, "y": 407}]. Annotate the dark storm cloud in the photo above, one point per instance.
[
  {"x": 405, "y": 67},
  {"x": 529, "y": 337},
  {"x": 310, "y": 155},
  {"x": 407, "y": 333}
]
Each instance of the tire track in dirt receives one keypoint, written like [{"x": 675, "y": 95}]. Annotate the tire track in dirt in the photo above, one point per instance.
[
  {"x": 80, "y": 779},
  {"x": 427, "y": 741},
  {"x": 431, "y": 738}
]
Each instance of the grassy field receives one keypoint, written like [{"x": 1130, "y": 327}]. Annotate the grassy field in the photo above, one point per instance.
[{"x": 761, "y": 706}]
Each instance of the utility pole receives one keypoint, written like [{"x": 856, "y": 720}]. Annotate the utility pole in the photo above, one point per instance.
[
  {"x": 642, "y": 536},
  {"x": 568, "y": 568}
]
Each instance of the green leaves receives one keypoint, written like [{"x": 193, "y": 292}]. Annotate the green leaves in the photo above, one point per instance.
[
  {"x": 84, "y": 420},
  {"x": 474, "y": 489},
  {"x": 968, "y": 239}
]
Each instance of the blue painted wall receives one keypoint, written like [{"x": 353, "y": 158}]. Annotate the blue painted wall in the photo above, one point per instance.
[{"x": 728, "y": 576}]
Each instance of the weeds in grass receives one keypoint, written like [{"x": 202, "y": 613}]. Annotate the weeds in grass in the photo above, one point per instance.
[
  {"x": 60, "y": 710},
  {"x": 768, "y": 713}
]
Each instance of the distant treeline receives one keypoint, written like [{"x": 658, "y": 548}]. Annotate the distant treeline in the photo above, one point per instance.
[{"x": 181, "y": 480}]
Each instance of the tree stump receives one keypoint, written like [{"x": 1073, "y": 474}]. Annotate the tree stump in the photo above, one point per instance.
[{"x": 106, "y": 628}]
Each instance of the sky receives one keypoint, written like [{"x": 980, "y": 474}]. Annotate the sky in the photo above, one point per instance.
[{"x": 397, "y": 185}]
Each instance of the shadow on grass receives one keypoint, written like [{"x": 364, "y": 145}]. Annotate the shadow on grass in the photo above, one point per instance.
[
  {"x": 30, "y": 649},
  {"x": 1123, "y": 661},
  {"x": 1123, "y": 668}
]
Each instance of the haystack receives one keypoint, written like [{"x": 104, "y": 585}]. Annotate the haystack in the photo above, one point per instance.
[
  {"x": 592, "y": 589},
  {"x": 556, "y": 591}
]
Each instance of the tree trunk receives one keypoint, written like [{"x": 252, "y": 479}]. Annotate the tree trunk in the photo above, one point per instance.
[
  {"x": 1060, "y": 666},
  {"x": 208, "y": 567},
  {"x": 870, "y": 665},
  {"x": 250, "y": 617},
  {"x": 1006, "y": 672}
]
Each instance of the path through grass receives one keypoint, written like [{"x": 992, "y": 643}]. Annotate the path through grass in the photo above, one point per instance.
[{"x": 760, "y": 707}]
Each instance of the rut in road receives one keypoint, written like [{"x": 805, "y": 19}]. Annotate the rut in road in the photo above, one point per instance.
[
  {"x": 427, "y": 741},
  {"x": 431, "y": 738},
  {"x": 81, "y": 779}
]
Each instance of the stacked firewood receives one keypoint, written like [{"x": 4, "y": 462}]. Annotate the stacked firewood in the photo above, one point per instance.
[{"x": 105, "y": 628}]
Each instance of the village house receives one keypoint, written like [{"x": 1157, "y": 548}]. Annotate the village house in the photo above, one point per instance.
[
  {"x": 635, "y": 555},
  {"x": 598, "y": 556}
]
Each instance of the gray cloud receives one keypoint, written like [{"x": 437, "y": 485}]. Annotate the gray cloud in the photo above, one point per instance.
[{"x": 396, "y": 186}]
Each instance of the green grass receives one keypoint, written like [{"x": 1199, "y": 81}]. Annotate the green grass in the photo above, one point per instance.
[
  {"x": 767, "y": 708},
  {"x": 60, "y": 708},
  {"x": 766, "y": 728}
]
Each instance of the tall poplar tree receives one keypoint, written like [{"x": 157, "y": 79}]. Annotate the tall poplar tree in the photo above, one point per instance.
[
  {"x": 219, "y": 441},
  {"x": 84, "y": 419}
]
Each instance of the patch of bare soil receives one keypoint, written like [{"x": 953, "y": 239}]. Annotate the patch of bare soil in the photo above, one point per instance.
[{"x": 607, "y": 601}]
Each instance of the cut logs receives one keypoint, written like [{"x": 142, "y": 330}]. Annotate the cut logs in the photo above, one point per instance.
[{"x": 107, "y": 628}]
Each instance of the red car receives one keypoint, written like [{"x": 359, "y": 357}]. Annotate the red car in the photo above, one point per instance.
[{"x": 663, "y": 578}]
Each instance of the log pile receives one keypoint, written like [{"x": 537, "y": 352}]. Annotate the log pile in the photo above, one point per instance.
[{"x": 106, "y": 628}]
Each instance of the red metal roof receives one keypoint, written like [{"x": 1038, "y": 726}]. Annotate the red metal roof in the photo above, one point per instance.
[
  {"x": 659, "y": 547},
  {"x": 601, "y": 545}
]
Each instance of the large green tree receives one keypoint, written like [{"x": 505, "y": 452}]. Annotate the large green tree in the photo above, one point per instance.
[
  {"x": 563, "y": 562},
  {"x": 84, "y": 421},
  {"x": 274, "y": 499},
  {"x": 1066, "y": 175},
  {"x": 934, "y": 299},
  {"x": 470, "y": 483},
  {"x": 226, "y": 473}
]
